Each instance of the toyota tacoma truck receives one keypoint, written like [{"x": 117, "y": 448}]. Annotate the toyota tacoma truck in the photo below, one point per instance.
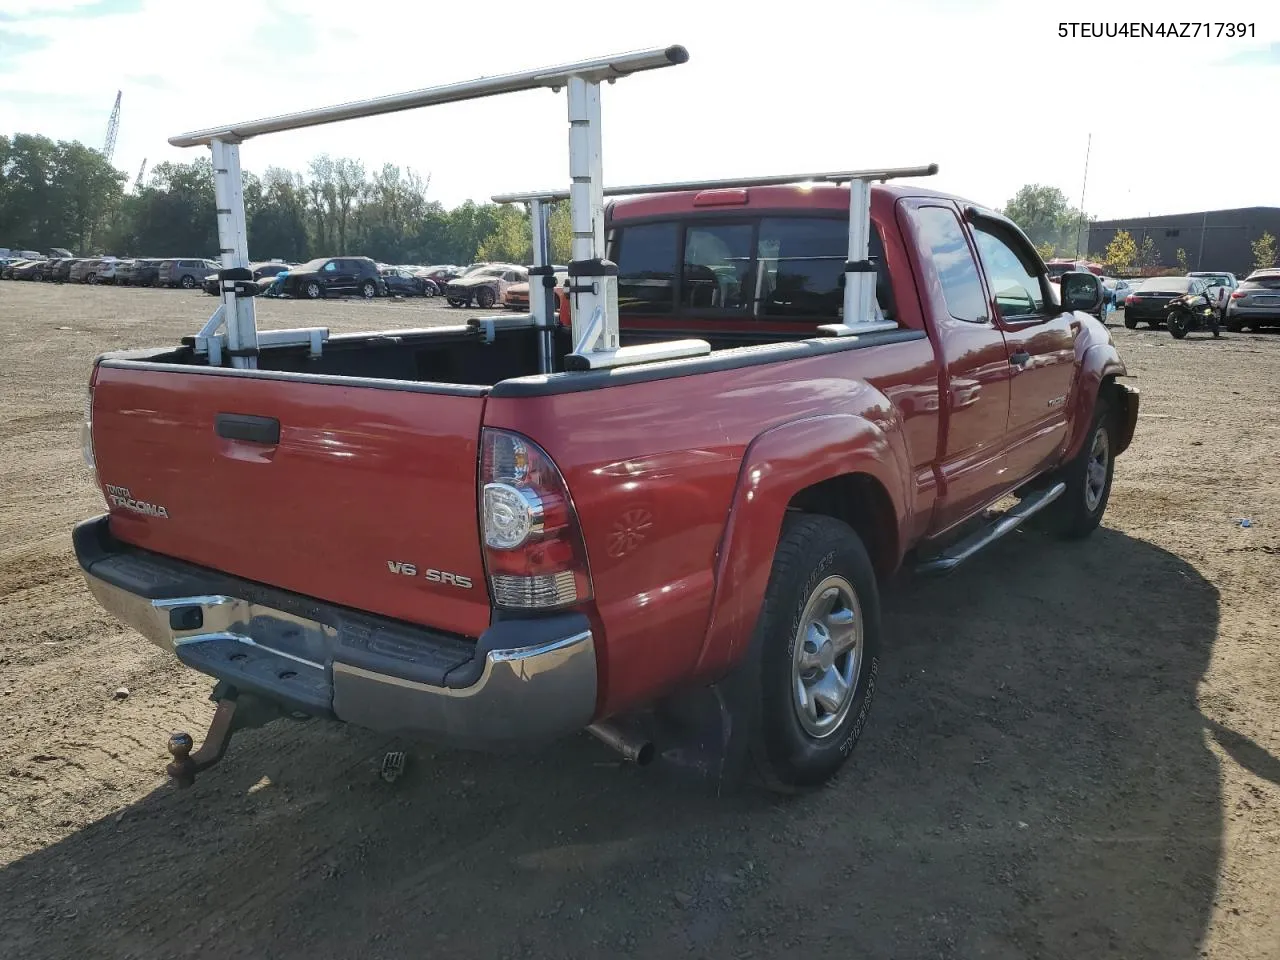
[{"x": 473, "y": 536}]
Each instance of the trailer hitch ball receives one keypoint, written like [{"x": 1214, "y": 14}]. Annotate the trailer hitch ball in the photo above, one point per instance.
[{"x": 181, "y": 768}]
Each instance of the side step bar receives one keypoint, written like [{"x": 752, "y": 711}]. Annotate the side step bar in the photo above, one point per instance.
[{"x": 958, "y": 553}]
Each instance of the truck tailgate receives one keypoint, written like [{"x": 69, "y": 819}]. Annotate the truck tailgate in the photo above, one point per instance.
[{"x": 364, "y": 498}]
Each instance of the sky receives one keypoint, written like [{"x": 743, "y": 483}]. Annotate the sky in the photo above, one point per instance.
[{"x": 987, "y": 89}]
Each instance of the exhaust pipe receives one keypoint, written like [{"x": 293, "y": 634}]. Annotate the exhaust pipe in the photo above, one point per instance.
[{"x": 636, "y": 749}]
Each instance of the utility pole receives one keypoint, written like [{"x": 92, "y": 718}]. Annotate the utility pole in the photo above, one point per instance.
[
  {"x": 1083, "y": 186},
  {"x": 1204, "y": 225}
]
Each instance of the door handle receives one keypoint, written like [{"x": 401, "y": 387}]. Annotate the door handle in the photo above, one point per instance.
[
  {"x": 242, "y": 426},
  {"x": 1020, "y": 359}
]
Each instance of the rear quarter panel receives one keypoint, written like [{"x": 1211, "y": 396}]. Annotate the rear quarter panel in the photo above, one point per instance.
[{"x": 655, "y": 468}]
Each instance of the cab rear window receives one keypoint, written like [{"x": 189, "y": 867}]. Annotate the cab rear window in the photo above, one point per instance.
[{"x": 761, "y": 267}]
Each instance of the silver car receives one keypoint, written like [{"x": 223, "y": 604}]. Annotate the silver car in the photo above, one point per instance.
[{"x": 1256, "y": 302}]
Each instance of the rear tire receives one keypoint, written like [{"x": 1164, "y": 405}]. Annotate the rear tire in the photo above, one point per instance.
[
  {"x": 312, "y": 290},
  {"x": 187, "y": 281},
  {"x": 1233, "y": 325},
  {"x": 429, "y": 289},
  {"x": 368, "y": 290},
  {"x": 1130, "y": 323},
  {"x": 816, "y": 648},
  {"x": 1079, "y": 510},
  {"x": 1177, "y": 324},
  {"x": 485, "y": 298}
]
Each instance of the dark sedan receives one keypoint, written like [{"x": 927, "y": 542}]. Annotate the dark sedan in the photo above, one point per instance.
[
  {"x": 402, "y": 283},
  {"x": 31, "y": 270},
  {"x": 1149, "y": 299}
]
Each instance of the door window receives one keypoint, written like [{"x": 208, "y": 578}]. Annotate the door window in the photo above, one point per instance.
[
  {"x": 330, "y": 267},
  {"x": 942, "y": 234},
  {"x": 1016, "y": 288}
]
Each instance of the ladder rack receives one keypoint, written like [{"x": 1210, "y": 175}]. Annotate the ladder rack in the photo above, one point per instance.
[
  {"x": 596, "y": 298},
  {"x": 860, "y": 313}
]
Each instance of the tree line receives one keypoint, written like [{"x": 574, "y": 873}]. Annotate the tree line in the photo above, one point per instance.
[{"x": 63, "y": 194}]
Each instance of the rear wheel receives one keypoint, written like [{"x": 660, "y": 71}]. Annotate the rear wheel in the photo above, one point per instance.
[
  {"x": 454, "y": 302},
  {"x": 368, "y": 289},
  {"x": 818, "y": 646},
  {"x": 187, "y": 281},
  {"x": 1233, "y": 325},
  {"x": 312, "y": 290},
  {"x": 1177, "y": 324},
  {"x": 429, "y": 289},
  {"x": 1130, "y": 323},
  {"x": 485, "y": 298},
  {"x": 1077, "y": 513}
]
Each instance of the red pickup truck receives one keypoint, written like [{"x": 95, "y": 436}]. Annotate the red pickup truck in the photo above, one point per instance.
[{"x": 417, "y": 532}]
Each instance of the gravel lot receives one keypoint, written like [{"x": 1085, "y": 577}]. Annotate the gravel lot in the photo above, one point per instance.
[{"x": 1073, "y": 752}]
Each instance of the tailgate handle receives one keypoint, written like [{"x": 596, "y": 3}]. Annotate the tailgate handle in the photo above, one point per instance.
[{"x": 243, "y": 426}]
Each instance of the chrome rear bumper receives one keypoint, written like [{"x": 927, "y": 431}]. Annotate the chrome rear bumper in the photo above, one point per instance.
[{"x": 520, "y": 682}]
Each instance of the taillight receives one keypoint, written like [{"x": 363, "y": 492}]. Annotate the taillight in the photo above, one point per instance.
[
  {"x": 1131, "y": 298},
  {"x": 533, "y": 548},
  {"x": 1237, "y": 295}
]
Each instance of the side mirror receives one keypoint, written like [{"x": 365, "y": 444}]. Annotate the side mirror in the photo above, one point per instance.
[{"x": 1081, "y": 291}]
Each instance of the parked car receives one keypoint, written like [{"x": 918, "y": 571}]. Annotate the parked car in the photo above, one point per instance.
[
  {"x": 335, "y": 276},
  {"x": 1255, "y": 303},
  {"x": 480, "y": 554},
  {"x": 260, "y": 270},
  {"x": 86, "y": 271},
  {"x": 516, "y": 296},
  {"x": 62, "y": 272},
  {"x": 1149, "y": 299},
  {"x": 108, "y": 270},
  {"x": 187, "y": 272},
  {"x": 30, "y": 270},
  {"x": 440, "y": 274},
  {"x": 484, "y": 285},
  {"x": 404, "y": 283},
  {"x": 6, "y": 272},
  {"x": 142, "y": 273}
]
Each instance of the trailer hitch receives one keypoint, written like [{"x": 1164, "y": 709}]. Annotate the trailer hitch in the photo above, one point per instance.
[{"x": 236, "y": 711}]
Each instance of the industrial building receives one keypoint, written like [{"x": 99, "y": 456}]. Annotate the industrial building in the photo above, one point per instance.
[{"x": 1212, "y": 239}]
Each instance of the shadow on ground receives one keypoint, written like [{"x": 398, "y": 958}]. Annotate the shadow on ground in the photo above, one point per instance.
[{"x": 1034, "y": 781}]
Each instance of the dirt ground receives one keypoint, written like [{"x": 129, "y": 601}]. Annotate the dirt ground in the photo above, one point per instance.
[{"x": 1073, "y": 752}]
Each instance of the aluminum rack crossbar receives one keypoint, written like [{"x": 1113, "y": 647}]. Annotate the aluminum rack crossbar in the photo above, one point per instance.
[{"x": 595, "y": 288}]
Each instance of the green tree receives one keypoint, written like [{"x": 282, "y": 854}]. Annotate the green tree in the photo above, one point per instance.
[
  {"x": 510, "y": 240},
  {"x": 1182, "y": 261},
  {"x": 1148, "y": 255},
  {"x": 1264, "y": 252},
  {"x": 560, "y": 231},
  {"x": 1046, "y": 218},
  {"x": 1122, "y": 253}
]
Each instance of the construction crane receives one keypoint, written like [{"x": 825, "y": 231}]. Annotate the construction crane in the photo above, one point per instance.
[
  {"x": 142, "y": 172},
  {"x": 113, "y": 128}
]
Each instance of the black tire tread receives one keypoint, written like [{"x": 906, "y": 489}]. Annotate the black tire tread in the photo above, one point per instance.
[{"x": 804, "y": 537}]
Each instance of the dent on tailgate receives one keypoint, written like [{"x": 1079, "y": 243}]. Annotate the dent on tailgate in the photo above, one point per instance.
[{"x": 366, "y": 493}]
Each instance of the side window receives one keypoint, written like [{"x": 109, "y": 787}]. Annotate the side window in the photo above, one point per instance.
[
  {"x": 1016, "y": 288},
  {"x": 646, "y": 257},
  {"x": 330, "y": 267},
  {"x": 717, "y": 267},
  {"x": 800, "y": 268},
  {"x": 941, "y": 233}
]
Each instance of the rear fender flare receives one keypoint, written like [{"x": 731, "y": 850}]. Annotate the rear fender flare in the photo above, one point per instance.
[
  {"x": 1099, "y": 363},
  {"x": 777, "y": 465}
]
